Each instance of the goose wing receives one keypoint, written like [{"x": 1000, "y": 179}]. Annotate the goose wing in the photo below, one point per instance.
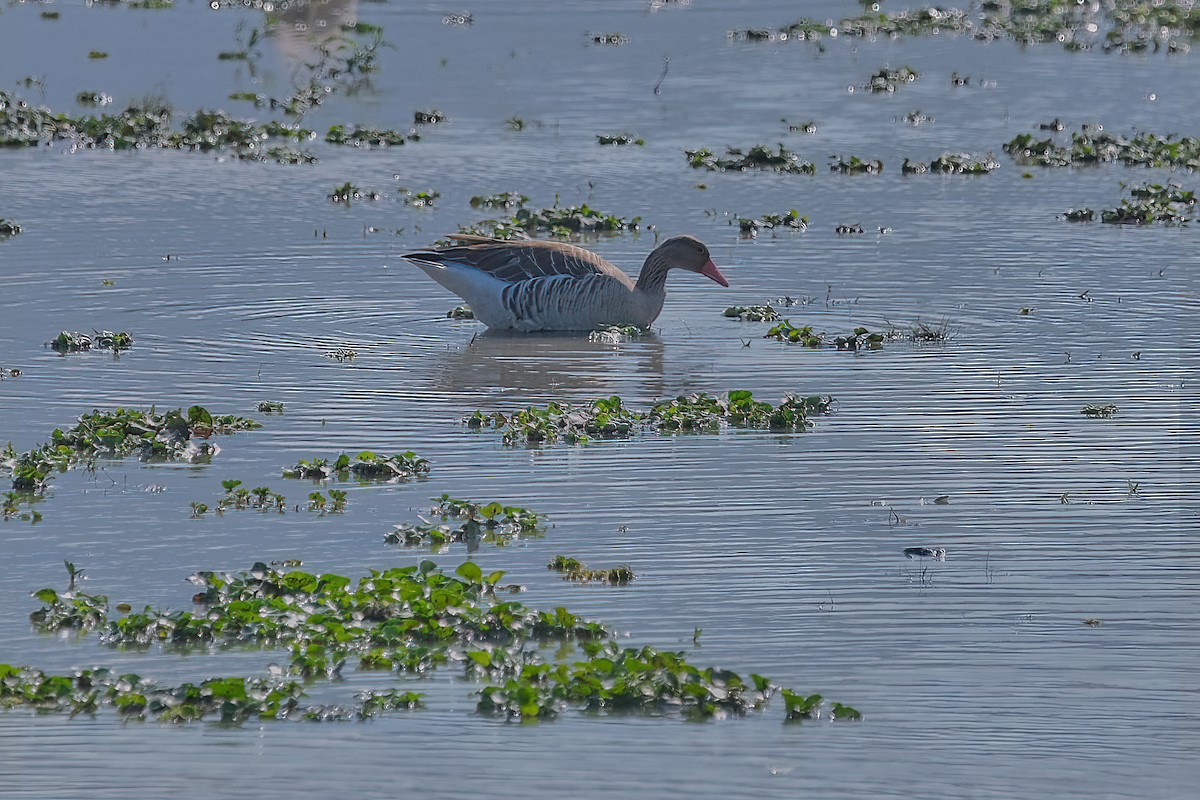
[{"x": 514, "y": 262}]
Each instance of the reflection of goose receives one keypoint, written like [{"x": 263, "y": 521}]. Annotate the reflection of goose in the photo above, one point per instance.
[
  {"x": 538, "y": 286},
  {"x": 500, "y": 361},
  {"x": 302, "y": 29}
]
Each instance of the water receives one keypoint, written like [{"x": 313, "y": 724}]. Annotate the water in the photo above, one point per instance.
[{"x": 977, "y": 676}]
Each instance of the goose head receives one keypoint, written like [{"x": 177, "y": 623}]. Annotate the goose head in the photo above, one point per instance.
[{"x": 689, "y": 253}]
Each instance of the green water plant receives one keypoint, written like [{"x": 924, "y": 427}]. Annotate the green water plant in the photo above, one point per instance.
[
  {"x": 561, "y": 222},
  {"x": 573, "y": 569},
  {"x": 963, "y": 164},
  {"x": 750, "y": 226},
  {"x": 855, "y": 166},
  {"x": 620, "y": 139},
  {"x": 407, "y": 620},
  {"x": 239, "y": 498},
  {"x": 609, "y": 418},
  {"x": 356, "y": 136},
  {"x": 752, "y": 313},
  {"x": 174, "y": 435},
  {"x": 365, "y": 466},
  {"x": 461, "y": 312},
  {"x": 270, "y": 407},
  {"x": 1093, "y": 145},
  {"x": 760, "y": 157}
]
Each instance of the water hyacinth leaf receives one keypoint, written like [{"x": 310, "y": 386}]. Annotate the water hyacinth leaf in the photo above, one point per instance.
[{"x": 470, "y": 570}]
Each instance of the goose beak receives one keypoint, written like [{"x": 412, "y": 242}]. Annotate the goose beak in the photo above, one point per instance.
[{"x": 710, "y": 271}]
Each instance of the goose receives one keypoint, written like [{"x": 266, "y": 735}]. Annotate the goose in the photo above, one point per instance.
[{"x": 532, "y": 285}]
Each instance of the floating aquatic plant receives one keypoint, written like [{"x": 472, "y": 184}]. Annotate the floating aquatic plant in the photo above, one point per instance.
[
  {"x": 408, "y": 619},
  {"x": 620, "y": 139},
  {"x": 8, "y": 229},
  {"x": 856, "y": 166},
  {"x": 888, "y": 79},
  {"x": 348, "y": 193},
  {"x": 573, "y": 569},
  {"x": 560, "y": 222},
  {"x": 1145, "y": 204},
  {"x": 470, "y": 522},
  {"x": 365, "y": 466},
  {"x": 859, "y": 339},
  {"x": 239, "y": 498},
  {"x": 757, "y": 157},
  {"x": 461, "y": 312},
  {"x": 750, "y": 226},
  {"x": 963, "y": 164},
  {"x": 503, "y": 200},
  {"x": 342, "y": 354},
  {"x": 1093, "y": 145},
  {"x": 615, "y": 334},
  {"x": 270, "y": 407},
  {"x": 752, "y": 313},
  {"x": 355, "y": 136},
  {"x": 609, "y": 418},
  {"x": 175, "y": 435}
]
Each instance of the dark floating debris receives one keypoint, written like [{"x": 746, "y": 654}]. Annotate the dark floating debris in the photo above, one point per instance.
[
  {"x": 430, "y": 117},
  {"x": 1100, "y": 412},
  {"x": 461, "y": 312},
  {"x": 8, "y": 228},
  {"x": 936, "y": 553}
]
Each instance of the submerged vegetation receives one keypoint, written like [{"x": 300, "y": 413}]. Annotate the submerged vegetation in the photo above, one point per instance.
[
  {"x": 757, "y": 157},
  {"x": 408, "y": 620},
  {"x": 609, "y": 418}
]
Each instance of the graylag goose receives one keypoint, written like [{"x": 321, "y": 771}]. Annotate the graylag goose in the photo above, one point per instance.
[{"x": 552, "y": 286}]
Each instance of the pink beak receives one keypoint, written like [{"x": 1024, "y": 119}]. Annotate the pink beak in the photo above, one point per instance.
[{"x": 710, "y": 271}]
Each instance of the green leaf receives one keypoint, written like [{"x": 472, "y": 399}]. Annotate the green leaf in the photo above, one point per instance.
[{"x": 471, "y": 571}]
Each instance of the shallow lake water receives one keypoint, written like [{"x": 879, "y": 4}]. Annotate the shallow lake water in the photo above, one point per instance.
[{"x": 977, "y": 676}]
